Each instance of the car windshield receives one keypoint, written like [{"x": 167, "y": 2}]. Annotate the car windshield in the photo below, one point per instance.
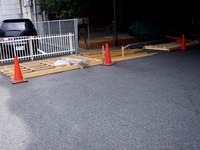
[{"x": 13, "y": 26}]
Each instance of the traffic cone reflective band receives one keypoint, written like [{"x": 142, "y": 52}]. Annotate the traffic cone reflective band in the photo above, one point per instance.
[
  {"x": 183, "y": 45},
  {"x": 17, "y": 77},
  {"x": 107, "y": 60}
]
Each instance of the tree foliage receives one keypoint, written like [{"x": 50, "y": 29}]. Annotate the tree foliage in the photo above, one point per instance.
[{"x": 63, "y": 8}]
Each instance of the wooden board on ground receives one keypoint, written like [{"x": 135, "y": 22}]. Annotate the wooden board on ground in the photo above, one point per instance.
[
  {"x": 169, "y": 46},
  {"x": 119, "y": 55},
  {"x": 47, "y": 66}
]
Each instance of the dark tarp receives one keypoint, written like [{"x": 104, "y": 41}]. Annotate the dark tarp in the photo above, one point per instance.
[{"x": 146, "y": 30}]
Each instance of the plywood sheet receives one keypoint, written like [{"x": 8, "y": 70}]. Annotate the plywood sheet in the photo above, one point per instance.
[{"x": 169, "y": 46}]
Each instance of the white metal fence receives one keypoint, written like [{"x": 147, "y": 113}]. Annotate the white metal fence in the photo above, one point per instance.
[
  {"x": 55, "y": 37},
  {"x": 29, "y": 48}
]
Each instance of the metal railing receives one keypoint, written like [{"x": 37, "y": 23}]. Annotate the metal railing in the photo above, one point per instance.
[{"x": 30, "y": 48}]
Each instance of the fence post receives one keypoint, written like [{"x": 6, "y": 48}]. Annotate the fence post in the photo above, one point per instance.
[
  {"x": 59, "y": 24},
  {"x": 30, "y": 47},
  {"x": 14, "y": 47},
  {"x": 70, "y": 42},
  {"x": 76, "y": 34},
  {"x": 49, "y": 30}
]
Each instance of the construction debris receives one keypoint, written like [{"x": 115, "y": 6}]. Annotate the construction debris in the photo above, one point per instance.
[
  {"x": 60, "y": 64},
  {"x": 47, "y": 66},
  {"x": 120, "y": 55},
  {"x": 72, "y": 61}
]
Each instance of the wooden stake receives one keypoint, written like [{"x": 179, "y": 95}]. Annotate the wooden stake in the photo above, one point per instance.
[
  {"x": 103, "y": 51},
  {"x": 122, "y": 51}
]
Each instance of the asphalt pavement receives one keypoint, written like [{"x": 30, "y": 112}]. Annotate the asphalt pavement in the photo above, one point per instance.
[{"x": 149, "y": 103}]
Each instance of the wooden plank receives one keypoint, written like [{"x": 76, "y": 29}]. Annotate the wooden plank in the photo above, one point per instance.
[
  {"x": 113, "y": 53},
  {"x": 55, "y": 70},
  {"x": 169, "y": 46},
  {"x": 29, "y": 68},
  {"x": 45, "y": 67},
  {"x": 164, "y": 47},
  {"x": 126, "y": 51},
  {"x": 133, "y": 56},
  {"x": 38, "y": 68},
  {"x": 6, "y": 68},
  {"x": 47, "y": 63}
]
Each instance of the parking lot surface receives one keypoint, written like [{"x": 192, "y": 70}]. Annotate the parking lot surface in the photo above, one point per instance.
[{"x": 150, "y": 103}]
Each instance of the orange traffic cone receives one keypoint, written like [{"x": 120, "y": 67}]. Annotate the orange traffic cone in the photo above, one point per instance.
[
  {"x": 183, "y": 45},
  {"x": 17, "y": 78},
  {"x": 107, "y": 60}
]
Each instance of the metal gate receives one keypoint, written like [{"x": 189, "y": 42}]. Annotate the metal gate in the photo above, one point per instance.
[
  {"x": 56, "y": 37},
  {"x": 29, "y": 48}
]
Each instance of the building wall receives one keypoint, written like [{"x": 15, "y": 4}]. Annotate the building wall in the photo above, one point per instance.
[
  {"x": 10, "y": 9},
  {"x": 27, "y": 9}
]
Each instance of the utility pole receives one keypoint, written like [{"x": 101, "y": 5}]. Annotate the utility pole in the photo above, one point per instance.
[
  {"x": 115, "y": 36},
  {"x": 34, "y": 13}
]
